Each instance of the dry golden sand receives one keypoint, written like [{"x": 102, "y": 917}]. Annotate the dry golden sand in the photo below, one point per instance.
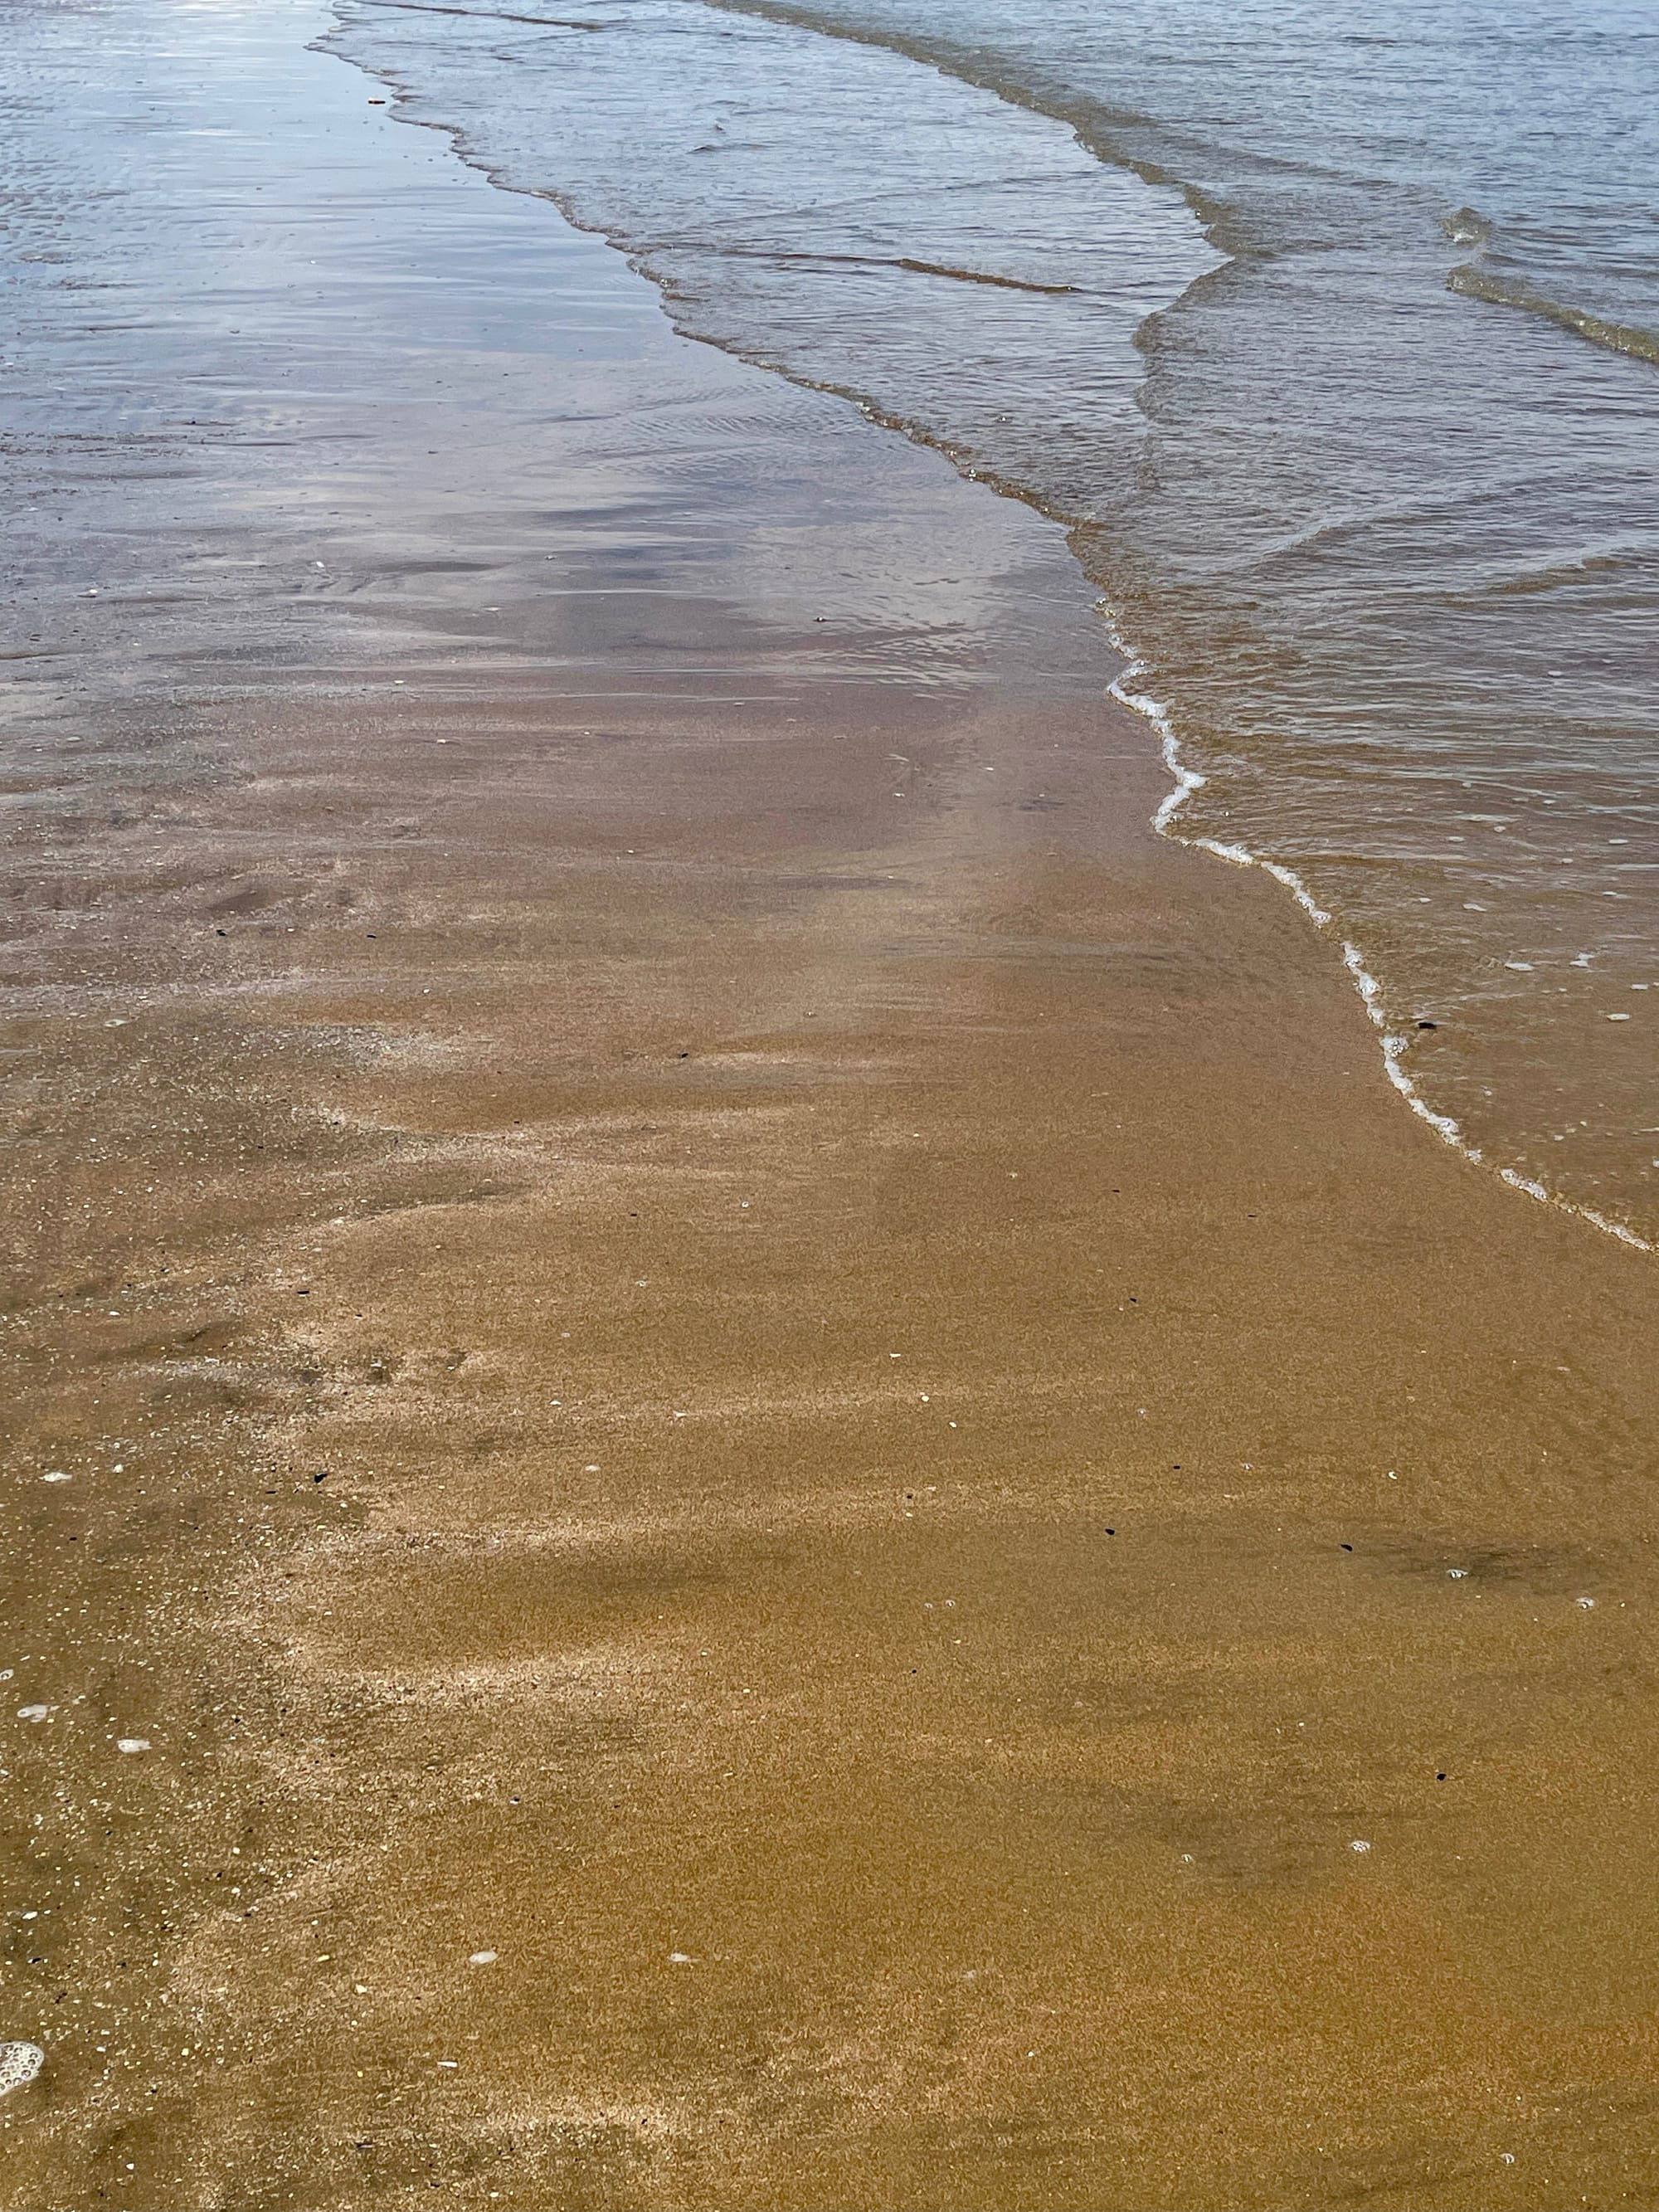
[{"x": 899, "y": 1401}]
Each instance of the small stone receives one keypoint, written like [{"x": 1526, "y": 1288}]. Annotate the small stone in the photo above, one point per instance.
[
  {"x": 482, "y": 1959},
  {"x": 1359, "y": 1844}
]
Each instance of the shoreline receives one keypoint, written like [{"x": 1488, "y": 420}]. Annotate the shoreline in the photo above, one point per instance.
[
  {"x": 1394, "y": 1043},
  {"x": 1528, "y": 1071},
  {"x": 1186, "y": 781},
  {"x": 777, "y": 1445}
]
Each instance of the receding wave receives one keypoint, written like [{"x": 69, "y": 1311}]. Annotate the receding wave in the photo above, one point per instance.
[
  {"x": 1627, "y": 338},
  {"x": 909, "y": 263},
  {"x": 1104, "y": 130},
  {"x": 501, "y": 14},
  {"x": 1391, "y": 585},
  {"x": 980, "y": 276}
]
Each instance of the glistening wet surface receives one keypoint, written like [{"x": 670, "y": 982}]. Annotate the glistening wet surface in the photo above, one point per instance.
[
  {"x": 241, "y": 463},
  {"x": 1366, "y": 472},
  {"x": 713, "y": 1496}
]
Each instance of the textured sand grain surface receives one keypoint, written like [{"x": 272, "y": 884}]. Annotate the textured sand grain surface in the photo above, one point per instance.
[{"x": 782, "y": 1443}]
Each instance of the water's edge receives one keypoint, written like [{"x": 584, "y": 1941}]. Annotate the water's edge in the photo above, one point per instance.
[
  {"x": 1186, "y": 779},
  {"x": 1395, "y": 1044}
]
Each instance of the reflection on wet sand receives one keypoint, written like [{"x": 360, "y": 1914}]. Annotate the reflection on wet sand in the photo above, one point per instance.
[{"x": 777, "y": 1441}]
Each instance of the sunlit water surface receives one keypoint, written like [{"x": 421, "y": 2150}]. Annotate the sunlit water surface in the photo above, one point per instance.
[{"x": 1333, "y": 332}]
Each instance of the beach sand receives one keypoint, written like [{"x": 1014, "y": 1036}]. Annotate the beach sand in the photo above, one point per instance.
[{"x": 807, "y": 1494}]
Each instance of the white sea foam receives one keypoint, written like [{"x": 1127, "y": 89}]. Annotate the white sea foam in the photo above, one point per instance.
[
  {"x": 1187, "y": 780},
  {"x": 19, "y": 2064}
]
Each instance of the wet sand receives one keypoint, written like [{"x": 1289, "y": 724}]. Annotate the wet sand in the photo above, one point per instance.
[{"x": 723, "y": 1343}]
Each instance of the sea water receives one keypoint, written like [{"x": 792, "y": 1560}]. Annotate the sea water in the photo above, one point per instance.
[{"x": 1333, "y": 333}]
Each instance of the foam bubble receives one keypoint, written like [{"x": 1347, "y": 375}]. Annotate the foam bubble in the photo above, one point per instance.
[{"x": 19, "y": 2064}]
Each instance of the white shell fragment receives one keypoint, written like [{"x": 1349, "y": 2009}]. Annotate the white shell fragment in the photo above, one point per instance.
[
  {"x": 19, "y": 2064},
  {"x": 132, "y": 1743},
  {"x": 482, "y": 1959},
  {"x": 34, "y": 1712}
]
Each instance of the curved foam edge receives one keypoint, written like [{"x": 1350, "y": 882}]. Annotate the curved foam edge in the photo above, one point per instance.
[{"x": 1187, "y": 780}]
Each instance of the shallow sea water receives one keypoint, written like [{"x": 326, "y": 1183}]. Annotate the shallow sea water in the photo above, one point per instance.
[
  {"x": 1332, "y": 339},
  {"x": 239, "y": 467}
]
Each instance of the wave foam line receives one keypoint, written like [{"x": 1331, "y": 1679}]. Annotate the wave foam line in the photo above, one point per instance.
[
  {"x": 1186, "y": 781},
  {"x": 1630, "y": 339}
]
